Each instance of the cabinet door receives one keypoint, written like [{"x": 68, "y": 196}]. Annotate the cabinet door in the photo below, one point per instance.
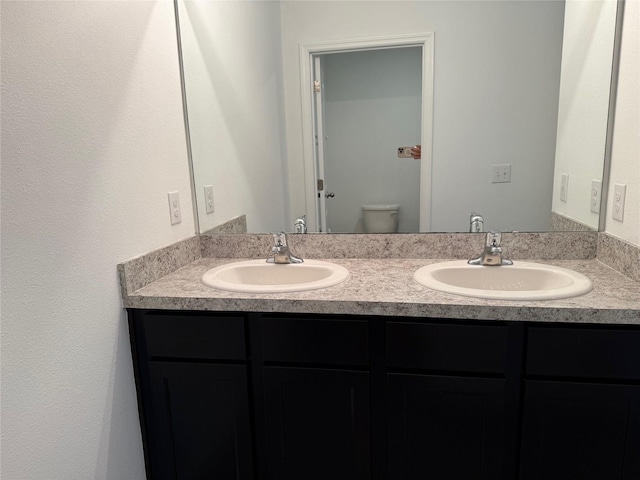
[
  {"x": 317, "y": 424},
  {"x": 581, "y": 431},
  {"x": 446, "y": 427},
  {"x": 199, "y": 426}
]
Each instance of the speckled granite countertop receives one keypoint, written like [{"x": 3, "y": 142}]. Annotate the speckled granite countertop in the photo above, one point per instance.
[{"x": 386, "y": 287}]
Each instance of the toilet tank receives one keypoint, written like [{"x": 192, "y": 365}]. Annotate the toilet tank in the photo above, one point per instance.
[{"x": 380, "y": 218}]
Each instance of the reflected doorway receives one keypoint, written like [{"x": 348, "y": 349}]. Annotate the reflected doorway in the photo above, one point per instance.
[
  {"x": 367, "y": 103},
  {"x": 368, "y": 106}
]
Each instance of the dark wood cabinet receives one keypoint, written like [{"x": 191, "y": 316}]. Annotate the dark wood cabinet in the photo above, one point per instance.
[
  {"x": 581, "y": 430},
  {"x": 448, "y": 391},
  {"x": 446, "y": 427},
  {"x": 587, "y": 352},
  {"x": 317, "y": 424},
  {"x": 336, "y": 342},
  {"x": 274, "y": 397},
  {"x": 447, "y": 347},
  {"x": 193, "y": 396},
  {"x": 581, "y": 403},
  {"x": 314, "y": 381},
  {"x": 199, "y": 424}
]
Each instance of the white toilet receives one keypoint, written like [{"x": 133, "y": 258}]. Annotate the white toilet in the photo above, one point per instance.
[{"x": 380, "y": 218}]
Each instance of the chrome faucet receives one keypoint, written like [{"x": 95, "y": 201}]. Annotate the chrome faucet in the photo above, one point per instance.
[
  {"x": 476, "y": 223},
  {"x": 300, "y": 225},
  {"x": 280, "y": 251},
  {"x": 492, "y": 254}
]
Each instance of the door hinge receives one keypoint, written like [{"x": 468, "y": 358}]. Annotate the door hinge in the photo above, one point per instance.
[
  {"x": 320, "y": 185},
  {"x": 316, "y": 86}
]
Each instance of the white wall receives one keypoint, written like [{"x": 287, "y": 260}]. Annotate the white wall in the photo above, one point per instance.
[
  {"x": 625, "y": 162},
  {"x": 92, "y": 141},
  {"x": 587, "y": 54},
  {"x": 495, "y": 101},
  {"x": 233, "y": 72},
  {"x": 373, "y": 103}
]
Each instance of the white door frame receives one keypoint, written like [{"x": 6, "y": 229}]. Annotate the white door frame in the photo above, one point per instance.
[
  {"x": 318, "y": 122},
  {"x": 307, "y": 50}
]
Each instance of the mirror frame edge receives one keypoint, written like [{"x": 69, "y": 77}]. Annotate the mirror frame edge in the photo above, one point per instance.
[
  {"x": 185, "y": 115},
  {"x": 613, "y": 95}
]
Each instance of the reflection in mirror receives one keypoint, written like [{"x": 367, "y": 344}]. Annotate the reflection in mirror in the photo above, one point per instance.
[
  {"x": 367, "y": 106},
  {"x": 518, "y": 86}
]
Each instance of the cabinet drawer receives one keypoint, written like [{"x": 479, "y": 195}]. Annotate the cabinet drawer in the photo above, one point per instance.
[
  {"x": 585, "y": 352},
  {"x": 317, "y": 341},
  {"x": 464, "y": 348},
  {"x": 215, "y": 337}
]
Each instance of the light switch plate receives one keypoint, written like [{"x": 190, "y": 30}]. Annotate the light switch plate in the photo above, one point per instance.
[
  {"x": 501, "y": 173},
  {"x": 596, "y": 195},
  {"x": 208, "y": 198},
  {"x": 174, "y": 207},
  {"x": 619, "y": 191}
]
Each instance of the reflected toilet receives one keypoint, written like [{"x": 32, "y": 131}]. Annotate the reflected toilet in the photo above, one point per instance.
[{"x": 382, "y": 218}]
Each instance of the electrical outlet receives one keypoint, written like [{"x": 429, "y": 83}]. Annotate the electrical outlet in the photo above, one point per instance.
[
  {"x": 501, "y": 173},
  {"x": 174, "y": 207},
  {"x": 596, "y": 195},
  {"x": 619, "y": 191},
  {"x": 564, "y": 187},
  {"x": 208, "y": 198}
]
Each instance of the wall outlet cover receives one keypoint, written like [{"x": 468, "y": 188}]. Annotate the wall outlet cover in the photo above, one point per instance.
[
  {"x": 596, "y": 196},
  {"x": 174, "y": 207},
  {"x": 564, "y": 187},
  {"x": 619, "y": 191},
  {"x": 501, "y": 173},
  {"x": 208, "y": 198}
]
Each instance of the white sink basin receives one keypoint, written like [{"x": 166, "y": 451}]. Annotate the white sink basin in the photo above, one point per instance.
[
  {"x": 258, "y": 276},
  {"x": 520, "y": 281}
]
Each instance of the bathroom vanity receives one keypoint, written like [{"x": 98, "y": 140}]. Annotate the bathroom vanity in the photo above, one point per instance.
[
  {"x": 243, "y": 396},
  {"x": 382, "y": 378}
]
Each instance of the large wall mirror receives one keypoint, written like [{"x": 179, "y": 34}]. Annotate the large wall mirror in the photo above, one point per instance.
[{"x": 299, "y": 107}]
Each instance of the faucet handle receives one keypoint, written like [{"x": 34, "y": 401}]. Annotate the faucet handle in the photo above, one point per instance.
[
  {"x": 281, "y": 252},
  {"x": 476, "y": 223},
  {"x": 300, "y": 225},
  {"x": 280, "y": 239},
  {"x": 492, "y": 254},
  {"x": 494, "y": 237}
]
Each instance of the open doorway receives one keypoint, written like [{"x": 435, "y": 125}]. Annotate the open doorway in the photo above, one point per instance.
[{"x": 367, "y": 102}]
